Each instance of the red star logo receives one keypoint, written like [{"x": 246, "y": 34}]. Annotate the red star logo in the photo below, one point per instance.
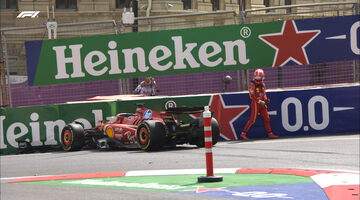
[
  {"x": 225, "y": 115},
  {"x": 290, "y": 44}
]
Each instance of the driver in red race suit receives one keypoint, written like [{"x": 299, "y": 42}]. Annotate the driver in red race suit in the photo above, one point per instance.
[{"x": 259, "y": 99}]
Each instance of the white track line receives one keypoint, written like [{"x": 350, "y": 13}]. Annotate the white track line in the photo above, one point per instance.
[
  {"x": 287, "y": 140},
  {"x": 179, "y": 172}
]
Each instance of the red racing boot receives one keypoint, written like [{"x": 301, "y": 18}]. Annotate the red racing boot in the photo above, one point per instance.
[
  {"x": 243, "y": 136},
  {"x": 271, "y": 135}
]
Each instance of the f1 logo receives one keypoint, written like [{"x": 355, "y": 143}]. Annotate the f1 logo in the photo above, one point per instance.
[{"x": 31, "y": 14}]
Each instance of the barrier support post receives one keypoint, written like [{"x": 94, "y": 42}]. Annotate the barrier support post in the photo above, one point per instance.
[{"x": 208, "y": 150}]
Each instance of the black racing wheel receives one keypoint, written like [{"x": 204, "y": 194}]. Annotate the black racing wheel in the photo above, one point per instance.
[
  {"x": 150, "y": 135},
  {"x": 72, "y": 137},
  {"x": 197, "y": 129}
]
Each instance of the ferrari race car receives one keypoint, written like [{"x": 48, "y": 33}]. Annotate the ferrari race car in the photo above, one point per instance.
[{"x": 147, "y": 128}]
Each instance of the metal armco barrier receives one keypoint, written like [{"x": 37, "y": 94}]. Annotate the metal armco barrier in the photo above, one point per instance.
[{"x": 208, "y": 150}]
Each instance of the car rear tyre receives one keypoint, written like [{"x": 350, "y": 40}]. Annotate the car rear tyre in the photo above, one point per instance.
[
  {"x": 72, "y": 137},
  {"x": 150, "y": 135},
  {"x": 198, "y": 132}
]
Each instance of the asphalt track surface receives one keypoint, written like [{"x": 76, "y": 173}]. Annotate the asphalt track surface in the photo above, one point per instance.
[{"x": 323, "y": 153}]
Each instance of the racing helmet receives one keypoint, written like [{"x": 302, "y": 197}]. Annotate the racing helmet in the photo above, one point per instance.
[{"x": 259, "y": 75}]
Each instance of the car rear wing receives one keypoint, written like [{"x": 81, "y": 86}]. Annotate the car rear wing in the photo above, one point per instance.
[{"x": 185, "y": 110}]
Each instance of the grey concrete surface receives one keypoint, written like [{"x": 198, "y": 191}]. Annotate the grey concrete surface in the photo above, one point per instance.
[{"x": 339, "y": 152}]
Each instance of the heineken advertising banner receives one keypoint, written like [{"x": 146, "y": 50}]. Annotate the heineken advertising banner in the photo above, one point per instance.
[
  {"x": 41, "y": 125},
  {"x": 292, "y": 113},
  {"x": 220, "y": 48}
]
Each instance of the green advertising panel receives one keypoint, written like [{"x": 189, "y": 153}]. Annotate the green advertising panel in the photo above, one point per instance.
[
  {"x": 148, "y": 53},
  {"x": 194, "y": 50},
  {"x": 42, "y": 125},
  {"x": 88, "y": 113},
  {"x": 39, "y": 125}
]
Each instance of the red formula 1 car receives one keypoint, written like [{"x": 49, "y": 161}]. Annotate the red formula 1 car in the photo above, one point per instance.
[{"x": 147, "y": 128}]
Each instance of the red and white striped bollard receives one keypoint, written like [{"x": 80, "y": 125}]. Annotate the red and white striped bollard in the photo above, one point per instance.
[{"x": 208, "y": 150}]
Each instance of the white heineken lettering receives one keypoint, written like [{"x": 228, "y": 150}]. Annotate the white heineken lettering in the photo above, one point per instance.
[
  {"x": 75, "y": 59},
  {"x": 129, "y": 64},
  {"x": 15, "y": 131},
  {"x": 50, "y": 131},
  {"x": 2, "y": 136},
  {"x": 353, "y": 38},
  {"x": 204, "y": 55},
  {"x": 98, "y": 116},
  {"x": 35, "y": 130},
  {"x": 84, "y": 122},
  {"x": 90, "y": 65},
  {"x": 159, "y": 58},
  {"x": 154, "y": 59},
  {"x": 114, "y": 58},
  {"x": 18, "y": 130},
  {"x": 229, "y": 52},
  {"x": 180, "y": 54}
]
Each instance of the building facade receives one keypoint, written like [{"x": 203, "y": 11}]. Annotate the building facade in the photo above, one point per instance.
[
  {"x": 105, "y": 17},
  {"x": 92, "y": 10}
]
